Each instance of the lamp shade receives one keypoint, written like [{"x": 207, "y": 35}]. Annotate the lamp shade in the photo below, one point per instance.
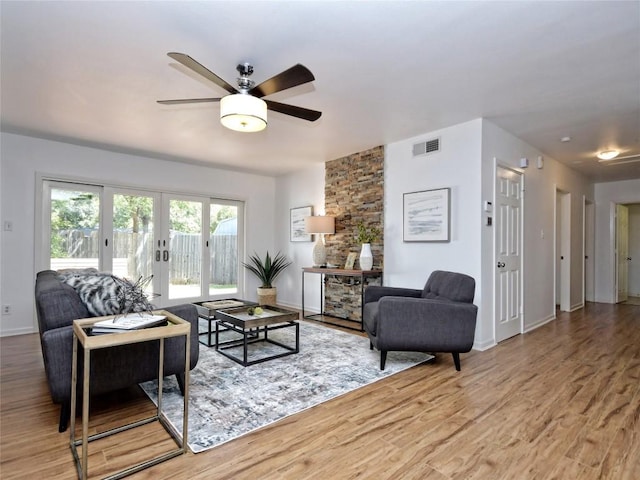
[
  {"x": 320, "y": 224},
  {"x": 243, "y": 112}
]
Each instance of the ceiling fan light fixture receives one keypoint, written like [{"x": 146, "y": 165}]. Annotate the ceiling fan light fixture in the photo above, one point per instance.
[
  {"x": 243, "y": 112},
  {"x": 608, "y": 154}
]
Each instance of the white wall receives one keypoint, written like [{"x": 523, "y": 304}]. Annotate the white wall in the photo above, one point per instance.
[
  {"x": 22, "y": 157},
  {"x": 467, "y": 163},
  {"x": 456, "y": 166},
  {"x": 467, "y": 155},
  {"x": 607, "y": 195},
  {"x": 468, "y": 152},
  {"x": 2, "y": 234},
  {"x": 301, "y": 189},
  {"x": 539, "y": 200}
]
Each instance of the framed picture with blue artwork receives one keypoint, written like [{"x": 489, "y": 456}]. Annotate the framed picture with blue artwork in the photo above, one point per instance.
[
  {"x": 297, "y": 231},
  {"x": 426, "y": 216}
]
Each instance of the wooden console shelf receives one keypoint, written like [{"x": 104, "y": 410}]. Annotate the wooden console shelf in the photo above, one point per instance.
[{"x": 340, "y": 272}]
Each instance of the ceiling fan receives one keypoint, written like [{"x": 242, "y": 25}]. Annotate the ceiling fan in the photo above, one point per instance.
[{"x": 244, "y": 109}]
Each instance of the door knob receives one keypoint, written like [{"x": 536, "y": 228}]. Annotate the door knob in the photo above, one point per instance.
[{"x": 501, "y": 265}]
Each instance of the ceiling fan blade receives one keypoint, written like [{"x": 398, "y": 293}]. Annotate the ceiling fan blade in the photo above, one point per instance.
[
  {"x": 299, "y": 112},
  {"x": 188, "y": 100},
  {"x": 294, "y": 76},
  {"x": 190, "y": 63}
]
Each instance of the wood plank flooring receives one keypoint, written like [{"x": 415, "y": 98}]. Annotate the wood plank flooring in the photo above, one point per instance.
[{"x": 561, "y": 402}]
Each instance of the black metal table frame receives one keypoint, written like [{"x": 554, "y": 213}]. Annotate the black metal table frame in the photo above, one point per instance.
[
  {"x": 323, "y": 272},
  {"x": 212, "y": 318},
  {"x": 253, "y": 335}
]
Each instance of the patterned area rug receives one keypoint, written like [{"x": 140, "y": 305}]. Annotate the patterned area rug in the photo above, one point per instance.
[{"x": 228, "y": 400}]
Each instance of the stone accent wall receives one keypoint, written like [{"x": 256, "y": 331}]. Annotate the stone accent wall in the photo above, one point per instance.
[{"x": 354, "y": 192}]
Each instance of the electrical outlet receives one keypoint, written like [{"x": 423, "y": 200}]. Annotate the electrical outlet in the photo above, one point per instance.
[
  {"x": 8, "y": 226},
  {"x": 6, "y": 309}
]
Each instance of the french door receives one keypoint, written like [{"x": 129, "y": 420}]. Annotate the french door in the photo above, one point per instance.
[
  {"x": 72, "y": 226},
  {"x": 188, "y": 247},
  {"x": 128, "y": 249}
]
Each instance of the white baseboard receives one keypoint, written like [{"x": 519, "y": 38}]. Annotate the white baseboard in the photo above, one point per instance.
[
  {"x": 578, "y": 306},
  {"x": 539, "y": 323},
  {"x": 486, "y": 345},
  {"x": 307, "y": 310},
  {"x": 17, "y": 331}
]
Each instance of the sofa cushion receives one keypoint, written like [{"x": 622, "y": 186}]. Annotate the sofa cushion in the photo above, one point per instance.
[{"x": 106, "y": 294}]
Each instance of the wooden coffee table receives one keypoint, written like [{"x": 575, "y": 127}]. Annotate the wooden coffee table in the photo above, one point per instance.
[
  {"x": 253, "y": 329},
  {"x": 207, "y": 310}
]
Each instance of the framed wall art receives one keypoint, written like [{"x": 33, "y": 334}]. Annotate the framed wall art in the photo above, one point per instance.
[
  {"x": 426, "y": 216},
  {"x": 297, "y": 232}
]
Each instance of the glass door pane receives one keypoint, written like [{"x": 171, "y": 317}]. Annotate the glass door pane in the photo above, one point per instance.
[
  {"x": 133, "y": 249},
  {"x": 223, "y": 249},
  {"x": 74, "y": 226},
  {"x": 185, "y": 248},
  {"x": 192, "y": 245}
]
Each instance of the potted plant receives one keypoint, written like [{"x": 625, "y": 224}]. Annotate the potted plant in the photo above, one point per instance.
[
  {"x": 366, "y": 236},
  {"x": 267, "y": 270}
]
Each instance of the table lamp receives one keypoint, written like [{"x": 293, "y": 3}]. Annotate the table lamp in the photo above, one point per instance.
[{"x": 319, "y": 225}]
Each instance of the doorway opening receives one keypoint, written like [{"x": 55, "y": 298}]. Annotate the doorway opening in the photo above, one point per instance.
[
  {"x": 627, "y": 254},
  {"x": 563, "y": 251}
]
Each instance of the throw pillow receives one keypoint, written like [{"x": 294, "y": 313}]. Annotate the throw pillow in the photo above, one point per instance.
[{"x": 106, "y": 294}]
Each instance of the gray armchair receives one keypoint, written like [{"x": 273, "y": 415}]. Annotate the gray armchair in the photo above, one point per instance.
[{"x": 439, "y": 318}]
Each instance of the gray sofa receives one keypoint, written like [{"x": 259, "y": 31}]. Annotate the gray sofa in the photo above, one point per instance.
[
  {"x": 57, "y": 305},
  {"x": 439, "y": 318}
]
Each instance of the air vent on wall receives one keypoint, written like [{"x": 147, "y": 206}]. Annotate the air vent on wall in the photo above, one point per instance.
[{"x": 425, "y": 148}]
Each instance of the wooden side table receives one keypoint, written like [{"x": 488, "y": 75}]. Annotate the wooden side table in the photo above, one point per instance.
[
  {"x": 176, "y": 327},
  {"x": 340, "y": 272}
]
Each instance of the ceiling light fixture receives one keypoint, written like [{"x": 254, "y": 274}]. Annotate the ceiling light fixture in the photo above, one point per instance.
[
  {"x": 243, "y": 112},
  {"x": 608, "y": 154}
]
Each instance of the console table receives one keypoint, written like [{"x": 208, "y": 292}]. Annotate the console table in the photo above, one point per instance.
[{"x": 340, "y": 272}]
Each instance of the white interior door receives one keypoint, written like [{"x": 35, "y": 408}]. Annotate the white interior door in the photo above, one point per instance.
[
  {"x": 508, "y": 246},
  {"x": 563, "y": 250},
  {"x": 634, "y": 250},
  {"x": 622, "y": 253},
  {"x": 589, "y": 264}
]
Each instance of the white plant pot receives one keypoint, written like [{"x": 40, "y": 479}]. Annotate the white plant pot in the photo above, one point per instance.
[{"x": 366, "y": 257}]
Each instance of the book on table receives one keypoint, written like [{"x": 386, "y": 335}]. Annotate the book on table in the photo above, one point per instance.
[{"x": 129, "y": 322}]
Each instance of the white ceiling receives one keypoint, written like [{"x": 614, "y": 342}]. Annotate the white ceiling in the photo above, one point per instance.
[{"x": 90, "y": 73}]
